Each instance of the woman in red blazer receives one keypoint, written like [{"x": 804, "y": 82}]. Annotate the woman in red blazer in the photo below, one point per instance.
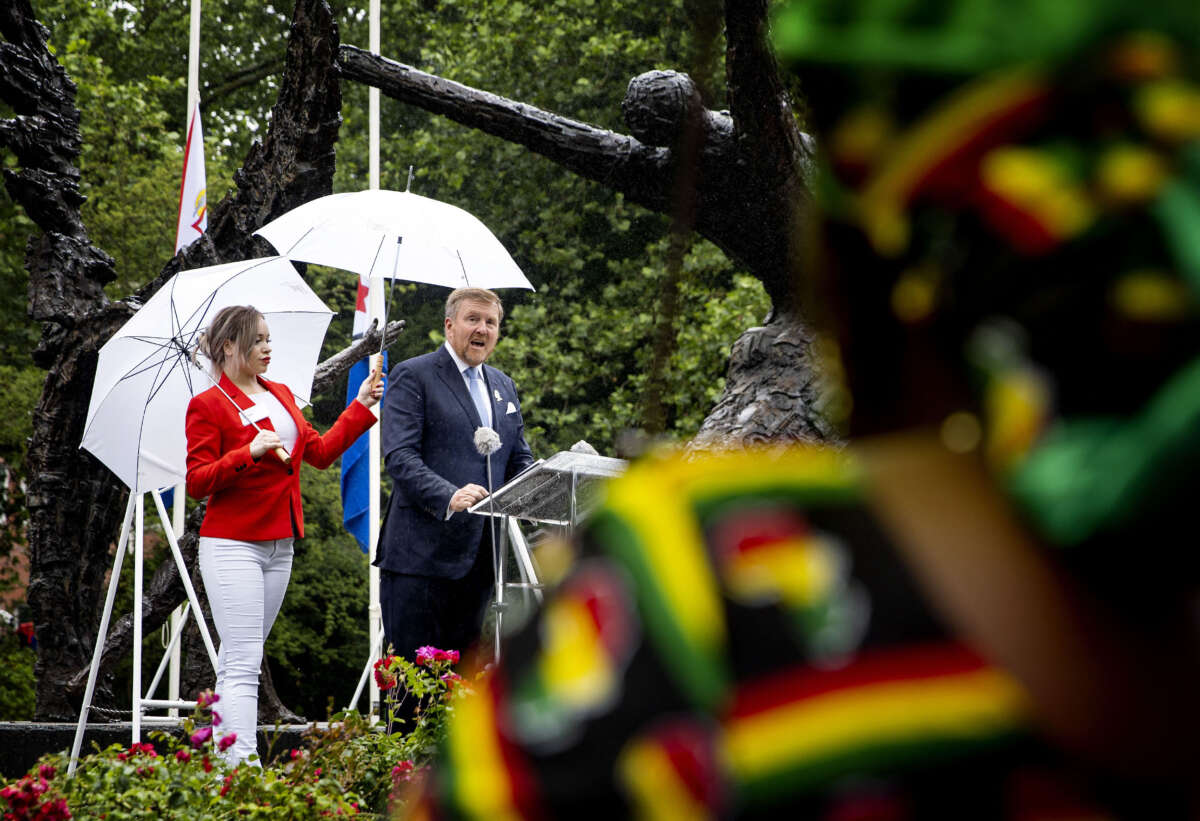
[{"x": 246, "y": 438}]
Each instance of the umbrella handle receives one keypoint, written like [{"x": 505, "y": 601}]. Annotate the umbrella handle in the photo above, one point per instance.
[
  {"x": 283, "y": 455},
  {"x": 376, "y": 360}
]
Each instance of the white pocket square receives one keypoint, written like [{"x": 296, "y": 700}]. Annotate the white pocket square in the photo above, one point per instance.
[{"x": 511, "y": 409}]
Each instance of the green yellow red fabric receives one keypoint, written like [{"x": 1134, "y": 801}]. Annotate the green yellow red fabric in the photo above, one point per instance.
[{"x": 669, "y": 676}]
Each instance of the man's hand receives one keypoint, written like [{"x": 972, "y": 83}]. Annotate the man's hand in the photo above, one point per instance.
[{"x": 466, "y": 496}]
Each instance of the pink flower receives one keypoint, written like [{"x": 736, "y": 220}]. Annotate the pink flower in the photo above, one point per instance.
[
  {"x": 428, "y": 655},
  {"x": 295, "y": 754},
  {"x": 226, "y": 742},
  {"x": 201, "y": 736},
  {"x": 47, "y": 771},
  {"x": 183, "y": 756},
  {"x": 207, "y": 764},
  {"x": 216, "y": 719},
  {"x": 207, "y": 698}
]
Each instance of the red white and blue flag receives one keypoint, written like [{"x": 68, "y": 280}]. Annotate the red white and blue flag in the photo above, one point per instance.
[
  {"x": 356, "y": 500},
  {"x": 193, "y": 193}
]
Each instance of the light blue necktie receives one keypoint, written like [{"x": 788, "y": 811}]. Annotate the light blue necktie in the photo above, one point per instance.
[{"x": 479, "y": 395}]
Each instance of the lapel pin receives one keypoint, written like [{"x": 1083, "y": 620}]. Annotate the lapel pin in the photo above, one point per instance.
[{"x": 497, "y": 394}]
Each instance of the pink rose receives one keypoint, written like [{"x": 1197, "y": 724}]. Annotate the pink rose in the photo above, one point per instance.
[
  {"x": 226, "y": 742},
  {"x": 200, "y": 736}
]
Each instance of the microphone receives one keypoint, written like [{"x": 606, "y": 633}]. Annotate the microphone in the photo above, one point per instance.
[{"x": 487, "y": 441}]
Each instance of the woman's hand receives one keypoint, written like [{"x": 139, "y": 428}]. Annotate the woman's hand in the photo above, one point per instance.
[
  {"x": 371, "y": 389},
  {"x": 266, "y": 440}
]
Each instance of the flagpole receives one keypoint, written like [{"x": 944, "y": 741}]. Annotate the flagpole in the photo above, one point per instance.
[
  {"x": 193, "y": 83},
  {"x": 193, "y": 99},
  {"x": 374, "y": 312}
]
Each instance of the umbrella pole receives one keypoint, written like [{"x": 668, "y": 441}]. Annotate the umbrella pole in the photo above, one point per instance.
[
  {"x": 391, "y": 286},
  {"x": 283, "y": 455}
]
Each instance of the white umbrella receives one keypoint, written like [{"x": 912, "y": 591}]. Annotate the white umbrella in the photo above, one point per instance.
[
  {"x": 395, "y": 235},
  {"x": 145, "y": 377}
]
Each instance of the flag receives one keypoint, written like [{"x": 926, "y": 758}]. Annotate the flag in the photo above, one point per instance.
[
  {"x": 193, "y": 193},
  {"x": 356, "y": 501}
]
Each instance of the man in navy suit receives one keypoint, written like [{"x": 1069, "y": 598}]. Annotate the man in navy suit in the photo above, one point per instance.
[{"x": 435, "y": 559}]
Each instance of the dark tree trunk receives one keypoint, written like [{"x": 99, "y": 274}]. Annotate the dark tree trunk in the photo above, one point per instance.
[
  {"x": 748, "y": 195},
  {"x": 75, "y": 502}
]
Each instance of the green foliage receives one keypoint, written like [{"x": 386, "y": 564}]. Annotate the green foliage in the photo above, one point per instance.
[
  {"x": 19, "y": 390},
  {"x": 16, "y": 680},
  {"x": 606, "y": 347},
  {"x": 176, "y": 777},
  {"x": 18, "y": 335},
  {"x": 346, "y": 767},
  {"x": 578, "y": 348},
  {"x": 421, "y": 693}
]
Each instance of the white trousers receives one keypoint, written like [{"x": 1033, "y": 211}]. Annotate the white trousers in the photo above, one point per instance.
[{"x": 245, "y": 583}]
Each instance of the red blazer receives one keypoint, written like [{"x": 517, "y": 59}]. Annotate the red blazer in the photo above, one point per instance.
[{"x": 248, "y": 500}]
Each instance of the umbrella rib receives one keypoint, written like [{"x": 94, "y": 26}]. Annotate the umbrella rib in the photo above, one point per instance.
[
  {"x": 301, "y": 238},
  {"x": 156, "y": 386},
  {"x": 202, "y": 309},
  {"x": 374, "y": 259},
  {"x": 147, "y": 361},
  {"x": 466, "y": 279}
]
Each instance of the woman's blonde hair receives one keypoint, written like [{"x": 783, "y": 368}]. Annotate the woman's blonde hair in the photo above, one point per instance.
[{"x": 237, "y": 324}]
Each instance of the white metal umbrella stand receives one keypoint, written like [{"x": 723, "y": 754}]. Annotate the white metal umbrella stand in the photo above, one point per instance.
[{"x": 134, "y": 523}]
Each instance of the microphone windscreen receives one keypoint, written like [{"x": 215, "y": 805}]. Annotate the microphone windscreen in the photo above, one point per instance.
[{"x": 487, "y": 441}]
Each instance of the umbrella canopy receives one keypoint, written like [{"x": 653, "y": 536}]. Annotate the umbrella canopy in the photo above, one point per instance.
[
  {"x": 395, "y": 235},
  {"x": 145, "y": 377}
]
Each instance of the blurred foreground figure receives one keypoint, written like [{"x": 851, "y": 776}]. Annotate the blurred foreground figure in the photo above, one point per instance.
[{"x": 986, "y": 606}]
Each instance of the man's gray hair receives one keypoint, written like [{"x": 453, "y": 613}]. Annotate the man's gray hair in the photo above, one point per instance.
[{"x": 461, "y": 295}]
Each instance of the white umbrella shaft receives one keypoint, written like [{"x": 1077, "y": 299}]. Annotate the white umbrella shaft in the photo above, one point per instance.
[{"x": 283, "y": 455}]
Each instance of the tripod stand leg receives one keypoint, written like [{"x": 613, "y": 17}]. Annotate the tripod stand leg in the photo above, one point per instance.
[
  {"x": 375, "y": 652},
  {"x": 172, "y": 645},
  {"x": 101, "y": 634},
  {"x": 186, "y": 579},
  {"x": 139, "y": 518}
]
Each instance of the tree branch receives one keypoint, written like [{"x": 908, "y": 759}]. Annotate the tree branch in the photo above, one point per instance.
[
  {"x": 240, "y": 79},
  {"x": 615, "y": 160},
  {"x": 332, "y": 368}
]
